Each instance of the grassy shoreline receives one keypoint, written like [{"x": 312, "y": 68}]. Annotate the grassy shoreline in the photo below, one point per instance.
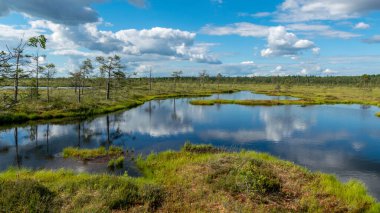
[
  {"x": 197, "y": 178},
  {"x": 326, "y": 95},
  {"x": 21, "y": 117}
]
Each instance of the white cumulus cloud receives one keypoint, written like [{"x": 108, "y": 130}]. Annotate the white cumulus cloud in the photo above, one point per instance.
[
  {"x": 280, "y": 42},
  {"x": 362, "y": 26},
  {"x": 166, "y": 42},
  {"x": 283, "y": 43}
]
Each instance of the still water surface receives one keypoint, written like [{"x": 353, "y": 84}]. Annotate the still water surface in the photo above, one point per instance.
[{"x": 339, "y": 139}]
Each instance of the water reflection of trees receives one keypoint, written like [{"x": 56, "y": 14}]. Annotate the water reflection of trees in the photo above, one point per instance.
[
  {"x": 47, "y": 137},
  {"x": 38, "y": 143},
  {"x": 18, "y": 157},
  {"x": 33, "y": 134}
]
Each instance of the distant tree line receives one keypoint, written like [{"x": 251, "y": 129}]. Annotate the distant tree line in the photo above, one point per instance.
[{"x": 357, "y": 81}]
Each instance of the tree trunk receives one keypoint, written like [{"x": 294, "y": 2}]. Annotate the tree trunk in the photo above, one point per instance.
[
  {"x": 48, "y": 88},
  {"x": 79, "y": 130},
  {"x": 79, "y": 95},
  {"x": 108, "y": 85},
  {"x": 37, "y": 71},
  {"x": 83, "y": 84},
  {"x": 108, "y": 131},
  {"x": 150, "y": 80},
  {"x": 47, "y": 138},
  {"x": 16, "y": 143},
  {"x": 16, "y": 77}
]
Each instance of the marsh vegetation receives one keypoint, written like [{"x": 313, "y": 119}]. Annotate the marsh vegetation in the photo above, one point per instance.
[{"x": 198, "y": 178}]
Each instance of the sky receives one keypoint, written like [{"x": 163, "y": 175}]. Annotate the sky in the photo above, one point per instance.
[{"x": 231, "y": 37}]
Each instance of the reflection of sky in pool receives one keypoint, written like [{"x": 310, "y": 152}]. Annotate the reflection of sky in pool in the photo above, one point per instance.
[{"x": 339, "y": 139}]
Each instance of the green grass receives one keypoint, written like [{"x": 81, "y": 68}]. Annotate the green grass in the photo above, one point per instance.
[
  {"x": 117, "y": 163},
  {"x": 199, "y": 178},
  {"x": 64, "y": 191},
  {"x": 33, "y": 196},
  {"x": 88, "y": 154}
]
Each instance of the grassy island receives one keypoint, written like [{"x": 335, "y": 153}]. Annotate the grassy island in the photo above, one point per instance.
[{"x": 91, "y": 154}]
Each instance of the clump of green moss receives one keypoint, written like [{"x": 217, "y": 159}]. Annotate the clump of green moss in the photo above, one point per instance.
[{"x": 88, "y": 154}]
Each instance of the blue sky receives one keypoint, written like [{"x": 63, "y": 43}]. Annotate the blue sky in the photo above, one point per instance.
[{"x": 232, "y": 37}]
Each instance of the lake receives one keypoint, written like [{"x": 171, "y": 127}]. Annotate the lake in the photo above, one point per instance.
[{"x": 337, "y": 139}]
